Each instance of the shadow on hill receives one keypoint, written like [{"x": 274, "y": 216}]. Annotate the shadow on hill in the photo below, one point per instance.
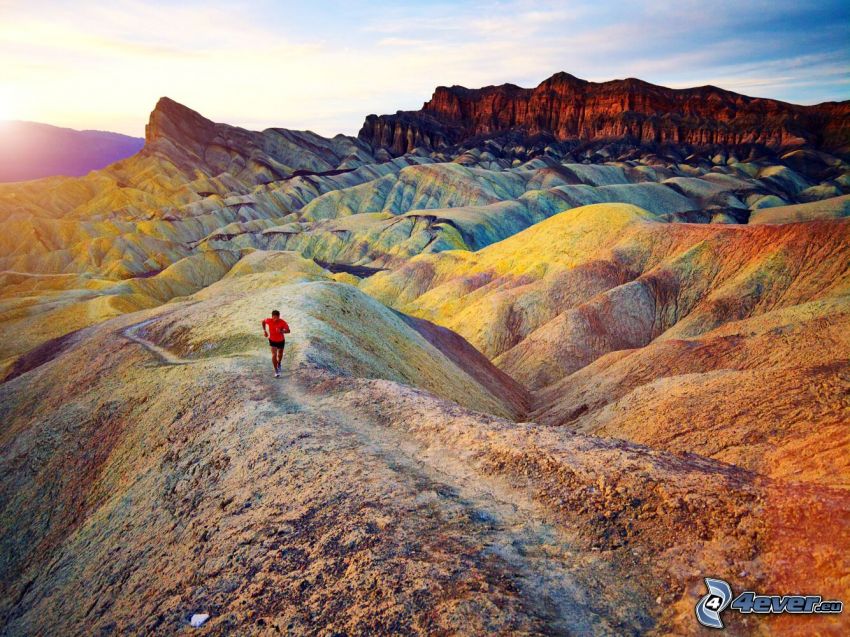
[{"x": 42, "y": 354}]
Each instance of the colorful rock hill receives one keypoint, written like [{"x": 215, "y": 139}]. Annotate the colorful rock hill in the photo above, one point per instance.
[{"x": 533, "y": 386}]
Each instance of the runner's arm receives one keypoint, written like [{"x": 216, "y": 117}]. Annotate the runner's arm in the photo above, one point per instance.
[
  {"x": 285, "y": 327},
  {"x": 264, "y": 328}
]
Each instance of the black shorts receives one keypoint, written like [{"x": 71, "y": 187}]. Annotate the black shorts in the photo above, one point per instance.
[{"x": 279, "y": 344}]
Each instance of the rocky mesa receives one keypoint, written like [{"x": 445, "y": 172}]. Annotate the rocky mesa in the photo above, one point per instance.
[{"x": 567, "y": 108}]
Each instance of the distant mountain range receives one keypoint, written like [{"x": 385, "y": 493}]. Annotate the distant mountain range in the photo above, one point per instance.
[{"x": 29, "y": 150}]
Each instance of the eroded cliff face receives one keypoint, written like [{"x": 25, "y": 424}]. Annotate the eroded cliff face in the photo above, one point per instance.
[
  {"x": 191, "y": 142},
  {"x": 569, "y": 108}
]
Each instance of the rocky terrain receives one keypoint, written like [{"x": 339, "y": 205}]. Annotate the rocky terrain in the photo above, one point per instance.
[
  {"x": 567, "y": 108},
  {"x": 535, "y": 385},
  {"x": 626, "y": 325}
]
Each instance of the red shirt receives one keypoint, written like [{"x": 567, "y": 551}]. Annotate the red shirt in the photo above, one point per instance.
[{"x": 277, "y": 328}]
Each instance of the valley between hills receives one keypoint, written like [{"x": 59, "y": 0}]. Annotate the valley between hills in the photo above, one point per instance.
[{"x": 557, "y": 354}]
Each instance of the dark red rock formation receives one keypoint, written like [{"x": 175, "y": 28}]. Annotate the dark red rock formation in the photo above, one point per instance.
[
  {"x": 180, "y": 125},
  {"x": 191, "y": 140},
  {"x": 573, "y": 109}
]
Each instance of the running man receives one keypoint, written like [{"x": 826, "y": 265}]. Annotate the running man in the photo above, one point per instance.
[{"x": 274, "y": 328}]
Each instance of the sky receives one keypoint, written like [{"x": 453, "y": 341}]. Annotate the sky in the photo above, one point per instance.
[{"x": 324, "y": 66}]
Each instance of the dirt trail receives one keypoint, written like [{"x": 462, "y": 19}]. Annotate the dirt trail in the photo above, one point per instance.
[
  {"x": 163, "y": 355},
  {"x": 542, "y": 557},
  {"x": 559, "y": 583}
]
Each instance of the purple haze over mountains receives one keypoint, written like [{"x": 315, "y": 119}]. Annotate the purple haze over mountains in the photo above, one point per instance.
[{"x": 29, "y": 150}]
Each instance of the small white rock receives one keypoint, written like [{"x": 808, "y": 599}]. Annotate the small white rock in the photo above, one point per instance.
[{"x": 198, "y": 619}]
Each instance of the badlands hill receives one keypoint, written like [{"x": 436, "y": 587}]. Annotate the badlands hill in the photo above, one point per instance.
[
  {"x": 532, "y": 387},
  {"x": 370, "y": 492},
  {"x": 627, "y": 326},
  {"x": 31, "y": 150}
]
